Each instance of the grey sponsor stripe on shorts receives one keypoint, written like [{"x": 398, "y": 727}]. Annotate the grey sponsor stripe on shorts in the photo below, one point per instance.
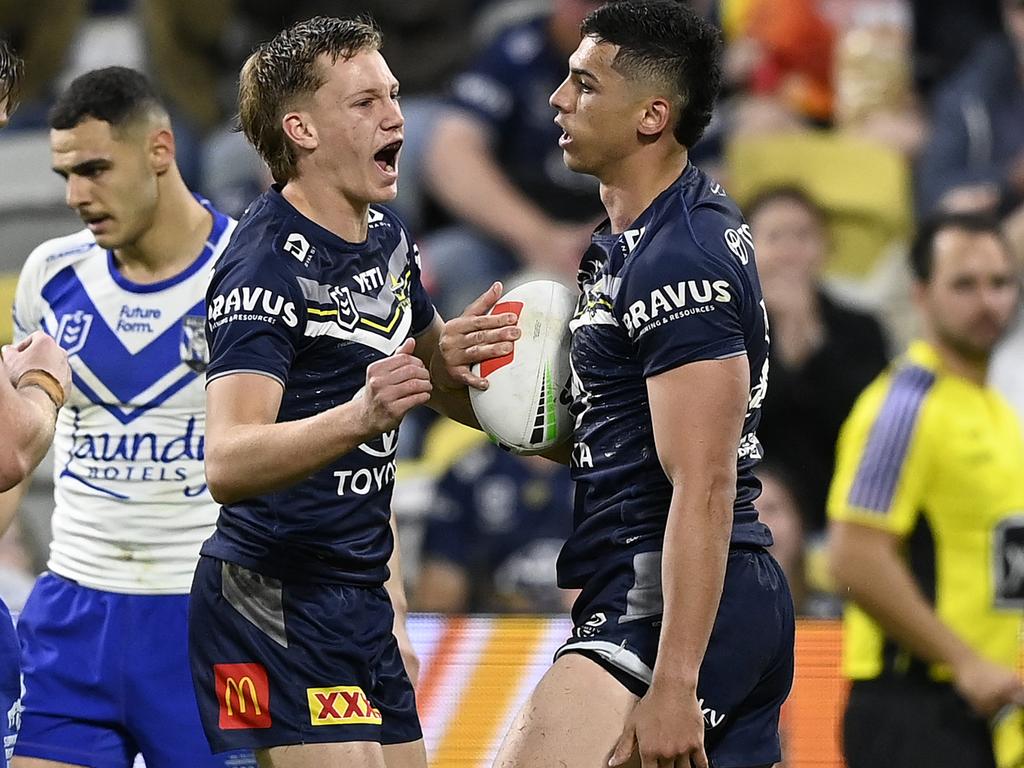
[{"x": 257, "y": 597}]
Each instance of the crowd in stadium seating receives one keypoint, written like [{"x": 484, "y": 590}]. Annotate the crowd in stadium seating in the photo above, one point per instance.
[{"x": 842, "y": 124}]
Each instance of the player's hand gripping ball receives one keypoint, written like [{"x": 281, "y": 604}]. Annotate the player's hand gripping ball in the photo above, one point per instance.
[{"x": 525, "y": 407}]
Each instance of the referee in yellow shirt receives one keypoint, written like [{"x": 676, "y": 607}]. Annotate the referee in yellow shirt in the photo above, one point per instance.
[{"x": 927, "y": 521}]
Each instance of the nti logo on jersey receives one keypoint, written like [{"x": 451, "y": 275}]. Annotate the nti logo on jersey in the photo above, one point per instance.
[
  {"x": 298, "y": 246},
  {"x": 341, "y": 705},
  {"x": 73, "y": 331},
  {"x": 243, "y": 696}
]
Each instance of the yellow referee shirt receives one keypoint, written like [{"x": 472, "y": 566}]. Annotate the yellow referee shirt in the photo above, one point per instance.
[{"x": 939, "y": 462}]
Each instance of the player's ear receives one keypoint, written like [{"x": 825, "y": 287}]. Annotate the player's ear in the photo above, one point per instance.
[
  {"x": 299, "y": 129},
  {"x": 161, "y": 150},
  {"x": 655, "y": 118}
]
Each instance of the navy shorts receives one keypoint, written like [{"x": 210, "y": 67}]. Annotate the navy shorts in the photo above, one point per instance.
[
  {"x": 106, "y": 677},
  {"x": 747, "y": 671},
  {"x": 295, "y": 663}
]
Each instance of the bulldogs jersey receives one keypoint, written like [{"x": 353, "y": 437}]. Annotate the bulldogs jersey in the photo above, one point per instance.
[
  {"x": 295, "y": 302},
  {"x": 678, "y": 287},
  {"x": 131, "y": 503}
]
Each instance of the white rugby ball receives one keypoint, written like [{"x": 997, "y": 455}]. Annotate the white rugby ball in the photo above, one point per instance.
[{"x": 524, "y": 408}]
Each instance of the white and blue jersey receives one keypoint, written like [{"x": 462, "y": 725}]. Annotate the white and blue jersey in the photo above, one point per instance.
[
  {"x": 680, "y": 286},
  {"x": 293, "y": 301},
  {"x": 131, "y": 503}
]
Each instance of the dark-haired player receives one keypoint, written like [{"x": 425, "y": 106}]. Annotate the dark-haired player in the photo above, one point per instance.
[
  {"x": 321, "y": 336},
  {"x": 103, "y": 633},
  {"x": 682, "y": 651}
]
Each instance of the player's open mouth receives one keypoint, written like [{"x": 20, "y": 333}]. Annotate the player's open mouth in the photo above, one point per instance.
[
  {"x": 564, "y": 139},
  {"x": 94, "y": 223},
  {"x": 386, "y": 158}
]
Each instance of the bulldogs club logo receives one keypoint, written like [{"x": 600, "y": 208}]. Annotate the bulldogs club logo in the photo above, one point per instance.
[
  {"x": 195, "y": 352},
  {"x": 73, "y": 331}
]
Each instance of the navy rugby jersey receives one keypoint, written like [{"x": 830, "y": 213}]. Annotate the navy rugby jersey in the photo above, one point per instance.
[
  {"x": 295, "y": 302},
  {"x": 678, "y": 287}
]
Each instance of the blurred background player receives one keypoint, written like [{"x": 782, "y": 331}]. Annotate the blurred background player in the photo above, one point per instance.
[
  {"x": 34, "y": 383},
  {"x": 103, "y": 634},
  {"x": 822, "y": 353},
  {"x": 493, "y": 162},
  {"x": 314, "y": 314},
  {"x": 494, "y": 530},
  {"x": 926, "y": 534},
  {"x": 669, "y": 357}
]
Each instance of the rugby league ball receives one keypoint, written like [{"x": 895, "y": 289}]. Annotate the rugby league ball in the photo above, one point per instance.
[{"x": 525, "y": 408}]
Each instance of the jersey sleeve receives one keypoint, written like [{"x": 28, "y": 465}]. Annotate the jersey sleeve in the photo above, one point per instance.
[
  {"x": 681, "y": 304},
  {"x": 256, "y": 314},
  {"x": 882, "y": 455},
  {"x": 27, "y": 312}
]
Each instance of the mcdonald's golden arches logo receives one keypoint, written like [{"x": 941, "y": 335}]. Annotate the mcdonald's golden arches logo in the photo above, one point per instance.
[{"x": 243, "y": 696}]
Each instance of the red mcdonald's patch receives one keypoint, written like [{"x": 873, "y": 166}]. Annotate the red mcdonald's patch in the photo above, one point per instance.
[{"x": 243, "y": 695}]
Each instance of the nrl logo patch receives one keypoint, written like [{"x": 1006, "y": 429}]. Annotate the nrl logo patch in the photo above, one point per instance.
[
  {"x": 195, "y": 352},
  {"x": 73, "y": 331},
  {"x": 348, "y": 315}
]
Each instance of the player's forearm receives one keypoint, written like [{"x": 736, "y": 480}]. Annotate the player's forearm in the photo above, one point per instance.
[
  {"x": 10, "y": 501},
  {"x": 454, "y": 403},
  {"x": 245, "y": 460},
  {"x": 468, "y": 181},
  {"x": 878, "y": 580},
  {"x": 694, "y": 557},
  {"x": 28, "y": 417}
]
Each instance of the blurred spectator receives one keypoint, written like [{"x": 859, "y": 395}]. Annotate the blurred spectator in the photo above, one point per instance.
[
  {"x": 42, "y": 32},
  {"x": 778, "y": 508},
  {"x": 946, "y": 32},
  {"x": 495, "y": 163},
  {"x": 974, "y": 160},
  {"x": 781, "y": 49},
  {"x": 926, "y": 534},
  {"x": 822, "y": 354},
  {"x": 494, "y": 534}
]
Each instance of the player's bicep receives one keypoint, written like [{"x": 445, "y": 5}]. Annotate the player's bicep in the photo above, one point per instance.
[
  {"x": 240, "y": 399},
  {"x": 697, "y": 411}
]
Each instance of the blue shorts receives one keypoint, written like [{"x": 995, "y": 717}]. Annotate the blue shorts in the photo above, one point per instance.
[
  {"x": 295, "y": 663},
  {"x": 106, "y": 677},
  {"x": 10, "y": 684},
  {"x": 748, "y": 668}
]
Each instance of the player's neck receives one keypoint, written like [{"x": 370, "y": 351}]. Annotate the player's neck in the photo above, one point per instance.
[
  {"x": 326, "y": 206},
  {"x": 181, "y": 227},
  {"x": 630, "y": 186}
]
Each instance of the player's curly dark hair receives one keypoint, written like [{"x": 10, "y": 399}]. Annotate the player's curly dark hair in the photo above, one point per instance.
[
  {"x": 11, "y": 70},
  {"x": 286, "y": 67},
  {"x": 666, "y": 42},
  {"x": 115, "y": 95}
]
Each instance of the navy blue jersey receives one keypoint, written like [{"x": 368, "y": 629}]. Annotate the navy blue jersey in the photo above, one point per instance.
[
  {"x": 295, "y": 302},
  {"x": 506, "y": 90},
  {"x": 678, "y": 287}
]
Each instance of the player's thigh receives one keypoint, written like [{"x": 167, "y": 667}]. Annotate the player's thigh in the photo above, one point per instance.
[
  {"x": 573, "y": 718},
  {"x": 411, "y": 754},
  {"x": 351, "y": 754}
]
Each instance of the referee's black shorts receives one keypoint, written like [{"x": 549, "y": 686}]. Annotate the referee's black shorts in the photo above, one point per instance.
[{"x": 913, "y": 723}]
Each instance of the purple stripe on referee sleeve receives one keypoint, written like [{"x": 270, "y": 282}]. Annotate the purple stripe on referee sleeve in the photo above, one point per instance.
[{"x": 879, "y": 471}]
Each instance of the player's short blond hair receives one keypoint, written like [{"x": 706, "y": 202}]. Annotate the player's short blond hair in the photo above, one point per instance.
[{"x": 286, "y": 68}]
